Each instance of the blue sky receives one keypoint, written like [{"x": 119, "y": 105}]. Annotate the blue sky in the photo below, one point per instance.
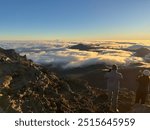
[{"x": 75, "y": 19}]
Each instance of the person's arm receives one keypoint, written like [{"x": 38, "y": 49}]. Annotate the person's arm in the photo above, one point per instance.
[{"x": 120, "y": 76}]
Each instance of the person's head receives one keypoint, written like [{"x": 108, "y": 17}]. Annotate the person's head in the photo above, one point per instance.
[
  {"x": 146, "y": 72},
  {"x": 114, "y": 67}
]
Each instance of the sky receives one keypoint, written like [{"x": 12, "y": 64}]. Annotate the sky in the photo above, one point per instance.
[{"x": 75, "y": 19}]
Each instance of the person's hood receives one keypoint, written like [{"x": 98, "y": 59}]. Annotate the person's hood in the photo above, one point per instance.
[{"x": 146, "y": 72}]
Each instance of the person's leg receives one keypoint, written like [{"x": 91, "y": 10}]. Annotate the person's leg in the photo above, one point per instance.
[
  {"x": 115, "y": 99},
  {"x": 110, "y": 96},
  {"x": 137, "y": 99},
  {"x": 143, "y": 98}
]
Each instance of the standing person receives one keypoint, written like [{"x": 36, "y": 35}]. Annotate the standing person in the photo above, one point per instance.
[
  {"x": 113, "y": 84},
  {"x": 142, "y": 90}
]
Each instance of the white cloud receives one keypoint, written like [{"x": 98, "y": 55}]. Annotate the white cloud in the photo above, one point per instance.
[{"x": 58, "y": 53}]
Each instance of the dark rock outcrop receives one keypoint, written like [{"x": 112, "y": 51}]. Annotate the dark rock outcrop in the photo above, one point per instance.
[
  {"x": 142, "y": 52},
  {"x": 82, "y": 47}
]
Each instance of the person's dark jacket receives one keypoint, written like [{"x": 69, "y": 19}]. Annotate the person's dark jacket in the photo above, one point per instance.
[{"x": 143, "y": 83}]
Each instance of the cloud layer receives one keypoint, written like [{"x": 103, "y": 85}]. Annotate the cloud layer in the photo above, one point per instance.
[{"x": 58, "y": 53}]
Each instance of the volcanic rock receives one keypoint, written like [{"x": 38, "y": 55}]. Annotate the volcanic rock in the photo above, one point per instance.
[{"x": 28, "y": 87}]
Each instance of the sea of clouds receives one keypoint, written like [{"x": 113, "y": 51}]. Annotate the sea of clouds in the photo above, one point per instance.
[{"x": 58, "y": 52}]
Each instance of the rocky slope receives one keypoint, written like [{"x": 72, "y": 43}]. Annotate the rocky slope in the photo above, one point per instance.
[{"x": 28, "y": 87}]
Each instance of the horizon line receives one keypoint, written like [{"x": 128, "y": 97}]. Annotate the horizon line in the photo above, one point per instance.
[{"x": 74, "y": 40}]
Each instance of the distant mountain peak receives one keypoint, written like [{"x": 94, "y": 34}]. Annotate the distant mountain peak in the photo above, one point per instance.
[
  {"x": 141, "y": 52},
  {"x": 81, "y": 46}
]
